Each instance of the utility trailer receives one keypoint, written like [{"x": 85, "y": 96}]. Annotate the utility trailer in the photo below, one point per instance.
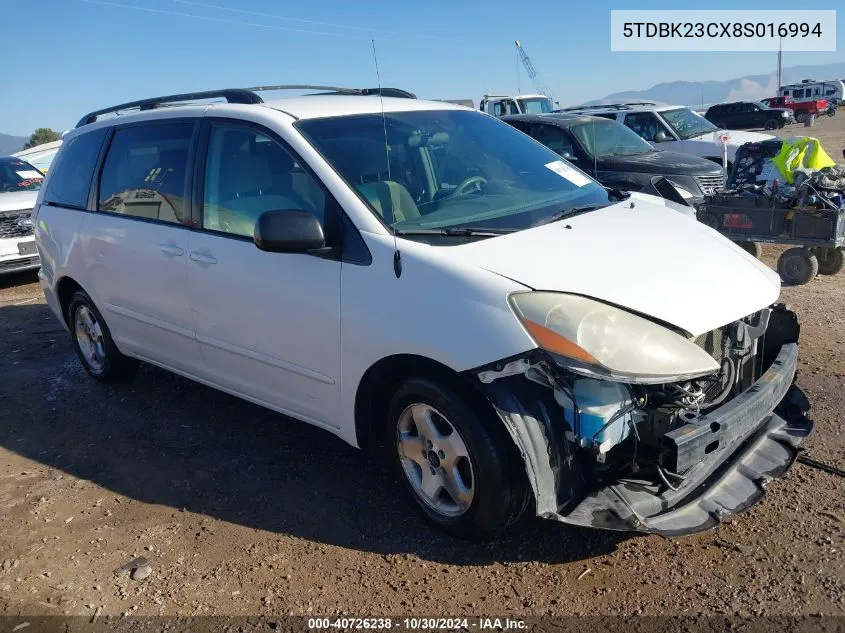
[
  {"x": 753, "y": 209},
  {"x": 817, "y": 236}
]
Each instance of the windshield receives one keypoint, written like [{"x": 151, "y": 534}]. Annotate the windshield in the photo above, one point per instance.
[
  {"x": 687, "y": 123},
  {"x": 536, "y": 105},
  {"x": 450, "y": 169},
  {"x": 17, "y": 175},
  {"x": 609, "y": 138}
]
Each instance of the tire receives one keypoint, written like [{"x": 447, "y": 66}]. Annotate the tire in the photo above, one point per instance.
[
  {"x": 771, "y": 124},
  {"x": 752, "y": 248},
  {"x": 489, "y": 494},
  {"x": 797, "y": 266},
  {"x": 831, "y": 260},
  {"x": 800, "y": 117},
  {"x": 93, "y": 342}
]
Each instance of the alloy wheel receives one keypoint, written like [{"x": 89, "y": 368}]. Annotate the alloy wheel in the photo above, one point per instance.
[{"x": 435, "y": 460}]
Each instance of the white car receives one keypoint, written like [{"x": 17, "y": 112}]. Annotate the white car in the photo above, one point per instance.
[
  {"x": 423, "y": 279},
  {"x": 40, "y": 156},
  {"x": 19, "y": 186},
  {"x": 675, "y": 128}
]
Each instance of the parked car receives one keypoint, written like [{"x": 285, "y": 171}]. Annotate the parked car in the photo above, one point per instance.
[
  {"x": 616, "y": 156},
  {"x": 501, "y": 105},
  {"x": 675, "y": 128},
  {"x": 40, "y": 156},
  {"x": 740, "y": 115},
  {"x": 800, "y": 109},
  {"x": 425, "y": 280},
  {"x": 19, "y": 186}
]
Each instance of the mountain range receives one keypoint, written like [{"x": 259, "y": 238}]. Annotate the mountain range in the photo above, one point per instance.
[
  {"x": 11, "y": 144},
  {"x": 750, "y": 87}
]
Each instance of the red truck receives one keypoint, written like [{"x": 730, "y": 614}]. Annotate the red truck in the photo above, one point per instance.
[{"x": 800, "y": 108}]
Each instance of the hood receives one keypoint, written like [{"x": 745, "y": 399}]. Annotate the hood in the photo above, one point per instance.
[
  {"x": 737, "y": 137},
  {"x": 18, "y": 200},
  {"x": 660, "y": 162},
  {"x": 649, "y": 259}
]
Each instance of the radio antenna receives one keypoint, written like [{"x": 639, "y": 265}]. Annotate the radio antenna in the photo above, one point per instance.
[{"x": 397, "y": 256}]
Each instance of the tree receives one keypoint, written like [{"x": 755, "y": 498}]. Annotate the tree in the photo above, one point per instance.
[{"x": 42, "y": 135}]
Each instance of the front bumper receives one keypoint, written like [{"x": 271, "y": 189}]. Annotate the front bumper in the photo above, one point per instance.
[
  {"x": 736, "y": 449},
  {"x": 18, "y": 264},
  {"x": 739, "y": 448}
]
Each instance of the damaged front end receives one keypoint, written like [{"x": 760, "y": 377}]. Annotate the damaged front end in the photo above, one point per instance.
[{"x": 673, "y": 458}]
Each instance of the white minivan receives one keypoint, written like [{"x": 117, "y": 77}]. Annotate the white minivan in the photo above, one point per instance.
[{"x": 426, "y": 281}]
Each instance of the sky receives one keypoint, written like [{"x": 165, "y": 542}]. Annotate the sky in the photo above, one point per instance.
[{"x": 64, "y": 58}]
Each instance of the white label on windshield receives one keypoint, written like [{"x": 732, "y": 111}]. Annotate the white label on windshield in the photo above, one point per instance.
[
  {"x": 572, "y": 175},
  {"x": 29, "y": 173}
]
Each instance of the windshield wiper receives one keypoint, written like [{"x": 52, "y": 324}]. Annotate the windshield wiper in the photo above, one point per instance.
[
  {"x": 560, "y": 215},
  {"x": 453, "y": 232}
]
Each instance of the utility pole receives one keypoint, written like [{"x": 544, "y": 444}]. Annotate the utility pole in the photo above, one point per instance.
[{"x": 780, "y": 65}]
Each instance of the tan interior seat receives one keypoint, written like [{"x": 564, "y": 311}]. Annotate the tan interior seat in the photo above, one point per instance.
[{"x": 391, "y": 200}]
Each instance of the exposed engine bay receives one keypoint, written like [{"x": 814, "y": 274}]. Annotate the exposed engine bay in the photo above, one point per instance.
[{"x": 619, "y": 441}]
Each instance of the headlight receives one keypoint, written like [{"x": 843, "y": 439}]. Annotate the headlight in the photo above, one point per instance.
[
  {"x": 595, "y": 339},
  {"x": 686, "y": 186},
  {"x": 686, "y": 194}
]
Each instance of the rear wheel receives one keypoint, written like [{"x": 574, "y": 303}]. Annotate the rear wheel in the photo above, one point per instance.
[
  {"x": 752, "y": 248},
  {"x": 93, "y": 343},
  {"x": 831, "y": 260},
  {"x": 797, "y": 266},
  {"x": 462, "y": 470}
]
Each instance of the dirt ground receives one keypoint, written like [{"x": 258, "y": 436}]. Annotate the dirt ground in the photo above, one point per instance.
[{"x": 242, "y": 512}]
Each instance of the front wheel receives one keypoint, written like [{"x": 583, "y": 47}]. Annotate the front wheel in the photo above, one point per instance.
[
  {"x": 93, "y": 343},
  {"x": 459, "y": 465},
  {"x": 771, "y": 124},
  {"x": 800, "y": 117},
  {"x": 797, "y": 266}
]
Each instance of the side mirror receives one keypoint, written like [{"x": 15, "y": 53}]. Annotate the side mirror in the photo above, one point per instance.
[
  {"x": 288, "y": 231},
  {"x": 660, "y": 137},
  {"x": 568, "y": 156}
]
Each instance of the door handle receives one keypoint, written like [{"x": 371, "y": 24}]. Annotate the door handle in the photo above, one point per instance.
[
  {"x": 202, "y": 258},
  {"x": 171, "y": 249}
]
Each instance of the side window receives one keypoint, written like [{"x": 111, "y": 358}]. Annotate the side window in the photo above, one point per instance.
[
  {"x": 645, "y": 124},
  {"x": 498, "y": 108},
  {"x": 512, "y": 107},
  {"x": 785, "y": 93},
  {"x": 830, "y": 91},
  {"x": 798, "y": 94},
  {"x": 248, "y": 173},
  {"x": 554, "y": 138},
  {"x": 73, "y": 172},
  {"x": 144, "y": 174},
  {"x": 606, "y": 115}
]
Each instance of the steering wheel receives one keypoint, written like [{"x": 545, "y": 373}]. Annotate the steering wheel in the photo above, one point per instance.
[{"x": 463, "y": 188}]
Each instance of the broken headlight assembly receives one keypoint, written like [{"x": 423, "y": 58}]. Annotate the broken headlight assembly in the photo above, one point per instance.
[{"x": 598, "y": 340}]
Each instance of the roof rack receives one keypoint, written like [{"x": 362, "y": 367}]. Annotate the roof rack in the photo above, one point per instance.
[
  {"x": 232, "y": 95},
  {"x": 334, "y": 90},
  {"x": 627, "y": 105},
  {"x": 239, "y": 95}
]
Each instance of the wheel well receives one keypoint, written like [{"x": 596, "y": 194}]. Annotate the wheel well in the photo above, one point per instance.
[
  {"x": 65, "y": 289},
  {"x": 380, "y": 381}
]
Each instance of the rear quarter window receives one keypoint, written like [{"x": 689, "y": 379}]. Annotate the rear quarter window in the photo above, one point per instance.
[
  {"x": 71, "y": 176},
  {"x": 145, "y": 172}
]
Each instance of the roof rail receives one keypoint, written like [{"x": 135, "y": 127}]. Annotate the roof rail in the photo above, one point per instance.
[
  {"x": 239, "y": 95},
  {"x": 607, "y": 106},
  {"x": 232, "y": 95},
  {"x": 335, "y": 90}
]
